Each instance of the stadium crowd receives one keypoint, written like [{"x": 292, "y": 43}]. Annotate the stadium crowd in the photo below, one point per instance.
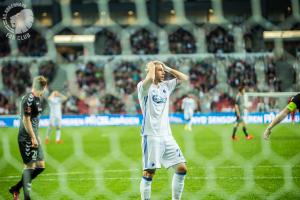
[
  {"x": 182, "y": 42},
  {"x": 126, "y": 76},
  {"x": 143, "y": 42},
  {"x": 4, "y": 45},
  {"x": 203, "y": 76},
  {"x": 107, "y": 43},
  {"x": 49, "y": 70},
  {"x": 241, "y": 72},
  {"x": 34, "y": 47},
  {"x": 90, "y": 78},
  {"x": 92, "y": 97},
  {"x": 220, "y": 41}
]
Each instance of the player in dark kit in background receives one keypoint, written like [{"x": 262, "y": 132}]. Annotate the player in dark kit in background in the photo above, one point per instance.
[
  {"x": 291, "y": 107},
  {"x": 240, "y": 114},
  {"x": 28, "y": 139}
]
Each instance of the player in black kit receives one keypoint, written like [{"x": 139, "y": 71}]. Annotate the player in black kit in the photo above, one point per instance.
[
  {"x": 293, "y": 105},
  {"x": 28, "y": 139}
]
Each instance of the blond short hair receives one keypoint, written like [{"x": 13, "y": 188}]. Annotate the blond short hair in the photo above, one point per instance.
[{"x": 39, "y": 83}]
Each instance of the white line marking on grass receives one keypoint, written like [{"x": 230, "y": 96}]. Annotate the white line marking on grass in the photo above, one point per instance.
[
  {"x": 159, "y": 178},
  {"x": 132, "y": 170}
]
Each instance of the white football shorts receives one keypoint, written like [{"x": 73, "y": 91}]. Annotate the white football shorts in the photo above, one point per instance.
[
  {"x": 159, "y": 151},
  {"x": 55, "y": 121},
  {"x": 188, "y": 115}
]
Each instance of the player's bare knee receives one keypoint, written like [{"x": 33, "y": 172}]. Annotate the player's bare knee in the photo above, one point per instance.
[
  {"x": 181, "y": 168},
  {"x": 40, "y": 164},
  {"x": 30, "y": 165},
  {"x": 149, "y": 173}
]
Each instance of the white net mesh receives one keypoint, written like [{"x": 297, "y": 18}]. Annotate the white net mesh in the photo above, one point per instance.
[{"x": 81, "y": 165}]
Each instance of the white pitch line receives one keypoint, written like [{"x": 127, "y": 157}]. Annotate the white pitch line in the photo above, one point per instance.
[
  {"x": 158, "y": 178},
  {"x": 132, "y": 170}
]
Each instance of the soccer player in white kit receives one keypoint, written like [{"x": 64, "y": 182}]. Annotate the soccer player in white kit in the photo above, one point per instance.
[
  {"x": 188, "y": 106},
  {"x": 158, "y": 145},
  {"x": 55, "y": 101}
]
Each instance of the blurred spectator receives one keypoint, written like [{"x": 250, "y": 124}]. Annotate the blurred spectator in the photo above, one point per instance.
[
  {"x": 71, "y": 105},
  {"x": 127, "y": 75},
  {"x": 113, "y": 105},
  {"x": 16, "y": 77},
  {"x": 254, "y": 40},
  {"x": 272, "y": 79},
  {"x": 69, "y": 53},
  {"x": 107, "y": 43},
  {"x": 34, "y": 46},
  {"x": 293, "y": 46},
  {"x": 240, "y": 72},
  {"x": 224, "y": 103},
  {"x": 203, "y": 76},
  {"x": 220, "y": 41},
  {"x": 90, "y": 78},
  {"x": 182, "y": 42},
  {"x": 143, "y": 42},
  {"x": 6, "y": 107},
  {"x": 4, "y": 45},
  {"x": 48, "y": 69}
]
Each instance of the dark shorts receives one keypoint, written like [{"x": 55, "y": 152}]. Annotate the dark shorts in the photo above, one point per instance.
[
  {"x": 30, "y": 154},
  {"x": 239, "y": 119}
]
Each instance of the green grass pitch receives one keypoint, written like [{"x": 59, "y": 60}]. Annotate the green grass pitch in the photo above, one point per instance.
[{"x": 105, "y": 163}]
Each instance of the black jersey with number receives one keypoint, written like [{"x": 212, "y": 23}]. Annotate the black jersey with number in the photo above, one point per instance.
[
  {"x": 30, "y": 106},
  {"x": 296, "y": 100}
]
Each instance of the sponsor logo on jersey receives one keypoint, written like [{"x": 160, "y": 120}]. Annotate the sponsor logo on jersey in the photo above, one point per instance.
[{"x": 159, "y": 99}]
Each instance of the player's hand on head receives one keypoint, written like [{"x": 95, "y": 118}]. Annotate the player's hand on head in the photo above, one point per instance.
[{"x": 148, "y": 65}]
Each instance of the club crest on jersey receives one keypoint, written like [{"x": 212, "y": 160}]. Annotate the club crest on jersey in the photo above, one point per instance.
[{"x": 159, "y": 99}]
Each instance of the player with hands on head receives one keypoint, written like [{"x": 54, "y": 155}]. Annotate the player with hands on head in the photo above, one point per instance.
[
  {"x": 158, "y": 145},
  {"x": 55, "y": 103}
]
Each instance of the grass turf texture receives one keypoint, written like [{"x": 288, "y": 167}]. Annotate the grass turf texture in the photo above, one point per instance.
[{"x": 105, "y": 163}]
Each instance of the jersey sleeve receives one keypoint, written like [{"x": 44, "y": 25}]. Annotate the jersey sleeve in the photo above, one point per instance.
[
  {"x": 171, "y": 84},
  {"x": 294, "y": 103},
  {"x": 27, "y": 105},
  {"x": 141, "y": 91}
]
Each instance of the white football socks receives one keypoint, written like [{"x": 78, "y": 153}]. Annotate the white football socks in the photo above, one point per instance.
[
  {"x": 145, "y": 188},
  {"x": 177, "y": 185},
  {"x": 58, "y": 134}
]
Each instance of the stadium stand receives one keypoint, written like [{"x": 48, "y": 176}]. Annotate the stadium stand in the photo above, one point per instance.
[
  {"x": 220, "y": 44},
  {"x": 4, "y": 45},
  {"x": 143, "y": 42}
]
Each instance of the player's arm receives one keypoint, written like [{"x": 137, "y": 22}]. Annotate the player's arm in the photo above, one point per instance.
[
  {"x": 237, "y": 110},
  {"x": 63, "y": 97},
  {"x": 291, "y": 107},
  {"x": 150, "y": 77},
  {"x": 181, "y": 77},
  {"x": 51, "y": 95},
  {"x": 275, "y": 121},
  {"x": 28, "y": 127},
  {"x": 279, "y": 118}
]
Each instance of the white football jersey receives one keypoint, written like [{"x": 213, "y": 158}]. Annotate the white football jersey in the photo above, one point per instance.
[
  {"x": 155, "y": 107},
  {"x": 188, "y": 104},
  {"x": 55, "y": 106}
]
